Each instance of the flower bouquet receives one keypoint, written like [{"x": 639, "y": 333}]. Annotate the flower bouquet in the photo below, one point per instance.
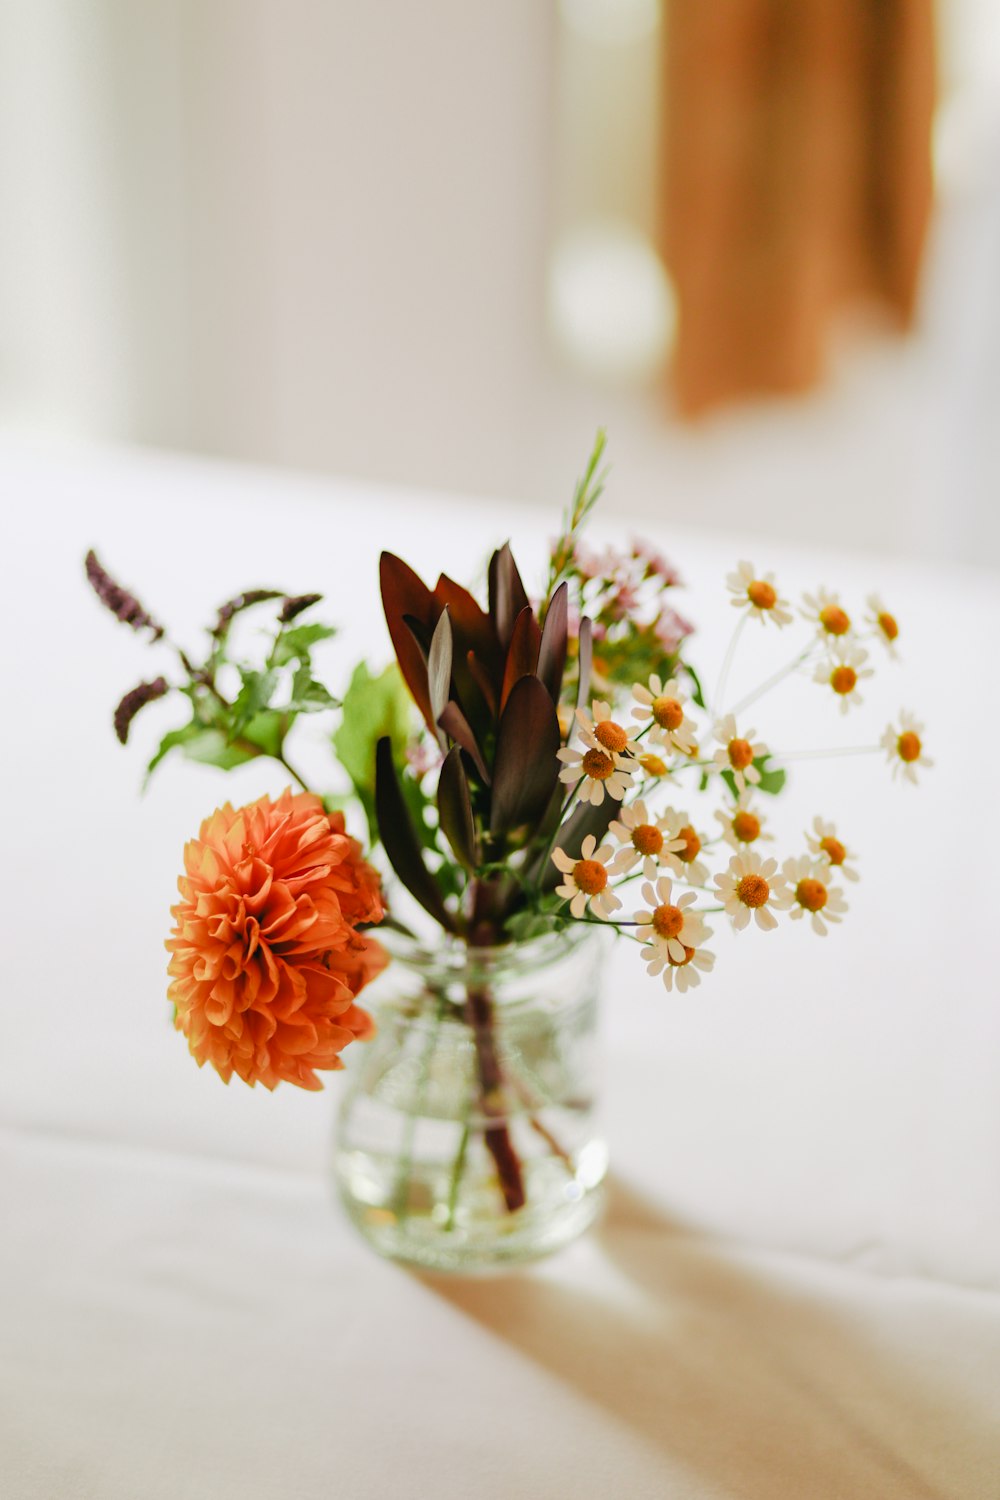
[{"x": 524, "y": 777}]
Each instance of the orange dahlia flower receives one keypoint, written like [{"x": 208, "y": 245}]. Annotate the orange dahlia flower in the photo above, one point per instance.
[{"x": 266, "y": 959}]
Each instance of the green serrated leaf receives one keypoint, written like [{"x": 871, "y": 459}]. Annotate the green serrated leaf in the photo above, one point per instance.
[
  {"x": 267, "y": 730},
  {"x": 171, "y": 741},
  {"x": 295, "y": 644},
  {"x": 698, "y": 695},
  {"x": 210, "y": 747},
  {"x": 771, "y": 781},
  {"x": 253, "y": 697}
]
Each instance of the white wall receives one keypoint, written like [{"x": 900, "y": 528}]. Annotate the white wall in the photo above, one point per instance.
[{"x": 316, "y": 234}]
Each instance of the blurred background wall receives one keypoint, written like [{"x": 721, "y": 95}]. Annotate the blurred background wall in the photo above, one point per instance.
[{"x": 417, "y": 243}]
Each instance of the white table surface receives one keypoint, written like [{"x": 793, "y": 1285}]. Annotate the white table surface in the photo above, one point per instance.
[{"x": 796, "y": 1289}]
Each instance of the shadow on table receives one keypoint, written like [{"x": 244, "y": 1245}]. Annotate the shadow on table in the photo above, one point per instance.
[{"x": 759, "y": 1388}]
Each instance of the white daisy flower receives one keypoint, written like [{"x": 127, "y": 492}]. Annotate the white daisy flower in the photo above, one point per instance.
[
  {"x": 668, "y": 925},
  {"x": 843, "y": 673},
  {"x": 597, "y": 772},
  {"x": 738, "y": 752},
  {"x": 905, "y": 748},
  {"x": 811, "y": 895},
  {"x": 742, "y": 823},
  {"x": 643, "y": 838},
  {"x": 662, "y": 705},
  {"x": 601, "y": 732},
  {"x": 674, "y": 935},
  {"x": 683, "y": 861},
  {"x": 825, "y": 611},
  {"x": 883, "y": 624},
  {"x": 757, "y": 595},
  {"x": 825, "y": 845},
  {"x": 654, "y": 766},
  {"x": 752, "y": 887},
  {"x": 586, "y": 882}
]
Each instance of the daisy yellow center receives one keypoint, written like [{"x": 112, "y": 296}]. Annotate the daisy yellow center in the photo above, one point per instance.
[
  {"x": 746, "y": 827},
  {"x": 753, "y": 890},
  {"x": 597, "y": 765},
  {"x": 843, "y": 680},
  {"x": 667, "y": 921},
  {"x": 590, "y": 876},
  {"x": 740, "y": 754},
  {"x": 611, "y": 735},
  {"x": 834, "y": 620},
  {"x": 761, "y": 594},
  {"x": 668, "y": 712},
  {"x": 692, "y": 844},
  {"x": 647, "y": 838},
  {"x": 834, "y": 850},
  {"x": 811, "y": 894},
  {"x": 653, "y": 765},
  {"x": 908, "y": 746},
  {"x": 887, "y": 625}
]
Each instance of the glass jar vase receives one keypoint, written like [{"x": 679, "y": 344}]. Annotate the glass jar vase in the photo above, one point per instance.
[{"x": 467, "y": 1135}]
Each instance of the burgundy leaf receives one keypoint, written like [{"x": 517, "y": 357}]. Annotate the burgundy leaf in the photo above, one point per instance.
[
  {"x": 522, "y": 654},
  {"x": 552, "y": 651},
  {"x": 455, "y": 724},
  {"x": 471, "y": 625},
  {"x": 400, "y": 839},
  {"x": 507, "y": 595},
  {"x": 404, "y": 594},
  {"x": 525, "y": 768},
  {"x": 585, "y": 658},
  {"x": 481, "y": 678},
  {"x": 455, "y": 809}
]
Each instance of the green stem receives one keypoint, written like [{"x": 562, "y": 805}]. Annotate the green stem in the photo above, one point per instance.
[
  {"x": 457, "y": 1173},
  {"x": 774, "y": 679}
]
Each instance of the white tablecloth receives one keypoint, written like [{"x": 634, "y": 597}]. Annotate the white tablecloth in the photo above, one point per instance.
[{"x": 796, "y": 1289}]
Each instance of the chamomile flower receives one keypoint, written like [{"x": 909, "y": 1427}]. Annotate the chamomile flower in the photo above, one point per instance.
[
  {"x": 683, "y": 860},
  {"x": 742, "y": 823},
  {"x": 843, "y": 673},
  {"x": 825, "y": 845},
  {"x": 738, "y": 753},
  {"x": 883, "y": 624},
  {"x": 600, "y": 731},
  {"x": 669, "y": 925},
  {"x": 684, "y": 974},
  {"x": 826, "y": 612},
  {"x": 598, "y": 772},
  {"x": 752, "y": 887},
  {"x": 811, "y": 894},
  {"x": 757, "y": 595},
  {"x": 643, "y": 838},
  {"x": 654, "y": 766},
  {"x": 905, "y": 748},
  {"x": 662, "y": 706},
  {"x": 586, "y": 879}
]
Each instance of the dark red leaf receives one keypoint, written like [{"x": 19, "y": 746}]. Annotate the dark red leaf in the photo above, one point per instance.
[
  {"x": 471, "y": 626},
  {"x": 552, "y": 651},
  {"x": 522, "y": 654},
  {"x": 481, "y": 678},
  {"x": 507, "y": 595},
  {"x": 403, "y": 593},
  {"x": 525, "y": 768},
  {"x": 585, "y": 660},
  {"x": 455, "y": 724},
  {"x": 400, "y": 839},
  {"x": 455, "y": 809}
]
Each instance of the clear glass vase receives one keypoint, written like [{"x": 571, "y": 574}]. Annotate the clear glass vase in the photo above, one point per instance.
[{"x": 467, "y": 1135}]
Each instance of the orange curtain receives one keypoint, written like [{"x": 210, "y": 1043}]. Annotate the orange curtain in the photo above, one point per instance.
[{"x": 797, "y": 175}]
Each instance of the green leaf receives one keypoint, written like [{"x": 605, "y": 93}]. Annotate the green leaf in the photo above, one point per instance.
[
  {"x": 211, "y": 748},
  {"x": 254, "y": 696},
  {"x": 698, "y": 695},
  {"x": 295, "y": 645},
  {"x": 308, "y": 695},
  {"x": 374, "y": 708},
  {"x": 267, "y": 730},
  {"x": 170, "y": 741},
  {"x": 771, "y": 781}
]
